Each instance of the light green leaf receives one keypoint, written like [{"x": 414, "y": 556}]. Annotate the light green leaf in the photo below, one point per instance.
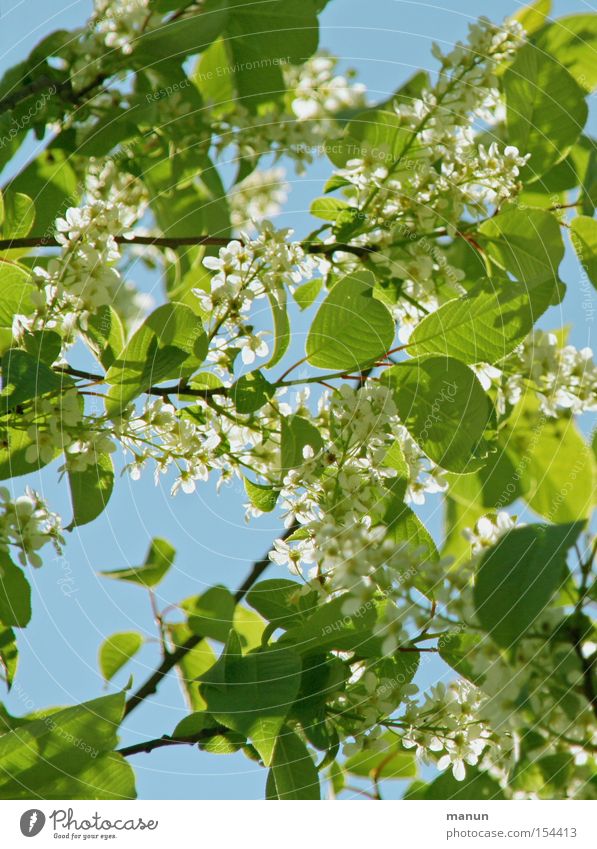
[
  {"x": 476, "y": 785},
  {"x": 262, "y": 496},
  {"x": 170, "y": 343},
  {"x": 210, "y": 614},
  {"x": 281, "y": 601},
  {"x": 15, "y": 594},
  {"x": 105, "y": 335},
  {"x": 67, "y": 754},
  {"x": 572, "y": 40},
  {"x": 117, "y": 650},
  {"x": 297, "y": 434},
  {"x": 388, "y": 760},
  {"x": 583, "y": 232},
  {"x": 192, "y": 665},
  {"x": 518, "y": 576},
  {"x": 444, "y": 407},
  {"x": 306, "y": 294},
  {"x": 546, "y": 109},
  {"x": 9, "y": 654},
  {"x": 279, "y": 304},
  {"x": 16, "y": 299},
  {"x": 255, "y": 695},
  {"x": 534, "y": 15},
  {"x": 351, "y": 328},
  {"x": 327, "y": 208},
  {"x": 160, "y": 558},
  {"x": 292, "y": 774},
  {"x": 24, "y": 377},
  {"x": 90, "y": 490},
  {"x": 486, "y": 324},
  {"x": 251, "y": 392},
  {"x": 525, "y": 242}
]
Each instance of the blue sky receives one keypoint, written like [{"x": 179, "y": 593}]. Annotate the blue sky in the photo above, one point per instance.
[{"x": 74, "y": 609}]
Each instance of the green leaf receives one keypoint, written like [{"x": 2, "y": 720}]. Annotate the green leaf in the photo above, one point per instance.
[
  {"x": 261, "y": 496},
  {"x": 525, "y": 242},
  {"x": 52, "y": 183},
  {"x": 351, "y": 328},
  {"x": 292, "y": 774},
  {"x": 90, "y": 490},
  {"x": 9, "y": 655},
  {"x": 459, "y": 649},
  {"x": 534, "y": 15},
  {"x": 15, "y": 594},
  {"x": 444, "y": 407},
  {"x": 183, "y": 35},
  {"x": 117, "y": 650},
  {"x": 67, "y": 754},
  {"x": 518, "y": 576},
  {"x": 572, "y": 40},
  {"x": 160, "y": 558},
  {"x": 330, "y": 628},
  {"x": 251, "y": 392},
  {"x": 546, "y": 109},
  {"x": 258, "y": 51},
  {"x": 476, "y": 785},
  {"x": 105, "y": 335},
  {"x": 328, "y": 208},
  {"x": 306, "y": 294},
  {"x": 210, "y": 614},
  {"x": 19, "y": 215},
  {"x": 279, "y": 304},
  {"x": 553, "y": 461},
  {"x": 192, "y": 666},
  {"x": 389, "y": 760},
  {"x": 171, "y": 343},
  {"x": 486, "y": 324},
  {"x": 583, "y": 232},
  {"x": 280, "y": 601},
  {"x": 16, "y": 299},
  {"x": 255, "y": 695},
  {"x": 24, "y": 377},
  {"x": 43, "y": 345},
  {"x": 297, "y": 434}
]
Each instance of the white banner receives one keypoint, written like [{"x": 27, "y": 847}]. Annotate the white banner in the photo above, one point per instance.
[{"x": 424, "y": 825}]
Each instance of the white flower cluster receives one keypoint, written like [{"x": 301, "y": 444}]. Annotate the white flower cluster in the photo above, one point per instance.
[
  {"x": 563, "y": 377},
  {"x": 26, "y": 523},
  {"x": 298, "y": 128},
  {"x": 488, "y": 529}
]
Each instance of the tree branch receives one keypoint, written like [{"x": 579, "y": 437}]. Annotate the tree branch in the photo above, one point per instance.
[
  {"x": 170, "y": 661},
  {"x": 166, "y": 740},
  {"x": 183, "y": 241}
]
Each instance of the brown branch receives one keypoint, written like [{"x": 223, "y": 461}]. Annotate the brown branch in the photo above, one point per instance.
[
  {"x": 170, "y": 661},
  {"x": 183, "y": 241},
  {"x": 162, "y": 391},
  {"x": 161, "y": 742}
]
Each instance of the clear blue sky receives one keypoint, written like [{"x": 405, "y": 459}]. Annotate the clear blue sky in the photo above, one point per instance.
[{"x": 386, "y": 41}]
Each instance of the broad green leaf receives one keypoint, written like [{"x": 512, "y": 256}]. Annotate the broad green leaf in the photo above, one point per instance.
[
  {"x": 553, "y": 462},
  {"x": 292, "y": 774},
  {"x": 279, "y": 304},
  {"x": 486, "y": 324},
  {"x": 185, "y": 35},
  {"x": 249, "y": 627},
  {"x": 171, "y": 343},
  {"x": 14, "y": 442},
  {"x": 525, "y": 242},
  {"x": 261, "y": 496},
  {"x": 9, "y": 655},
  {"x": 19, "y": 215},
  {"x": 444, "y": 407},
  {"x": 210, "y": 614},
  {"x": 117, "y": 650},
  {"x": 533, "y": 16},
  {"x": 24, "y": 377},
  {"x": 351, "y": 328},
  {"x": 67, "y": 754},
  {"x": 43, "y": 345},
  {"x": 290, "y": 35},
  {"x": 280, "y": 601},
  {"x": 459, "y": 649},
  {"x": 90, "y": 490},
  {"x": 297, "y": 435},
  {"x": 51, "y": 183},
  {"x": 105, "y": 335},
  {"x": 330, "y": 627},
  {"x": 572, "y": 40},
  {"x": 387, "y": 761},
  {"x": 546, "y": 109},
  {"x": 192, "y": 665},
  {"x": 328, "y": 208},
  {"x": 255, "y": 695},
  {"x": 251, "y": 392},
  {"x": 583, "y": 232},
  {"x": 15, "y": 594},
  {"x": 306, "y": 294},
  {"x": 160, "y": 558},
  {"x": 16, "y": 299},
  {"x": 518, "y": 576}
]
